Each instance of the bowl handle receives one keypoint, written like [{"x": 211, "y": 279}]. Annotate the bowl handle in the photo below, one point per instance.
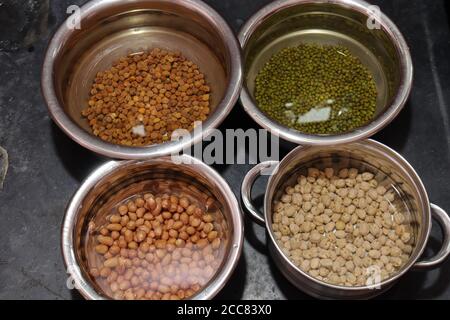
[
  {"x": 444, "y": 221},
  {"x": 246, "y": 191}
]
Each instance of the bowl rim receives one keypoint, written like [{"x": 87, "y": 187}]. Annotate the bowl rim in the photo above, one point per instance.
[
  {"x": 394, "y": 156},
  {"x": 222, "y": 275},
  {"x": 292, "y": 135},
  {"x": 95, "y": 144}
]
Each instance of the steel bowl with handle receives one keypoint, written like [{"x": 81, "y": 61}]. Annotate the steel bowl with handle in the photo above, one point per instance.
[{"x": 365, "y": 155}]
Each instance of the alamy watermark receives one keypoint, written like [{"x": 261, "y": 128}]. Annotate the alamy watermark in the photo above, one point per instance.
[
  {"x": 373, "y": 21},
  {"x": 235, "y": 146},
  {"x": 73, "y": 22}
]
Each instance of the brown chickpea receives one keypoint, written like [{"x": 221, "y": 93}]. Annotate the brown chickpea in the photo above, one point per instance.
[
  {"x": 139, "y": 222},
  {"x": 124, "y": 220},
  {"x": 148, "y": 216},
  {"x": 157, "y": 256},
  {"x": 107, "y": 255},
  {"x": 122, "y": 243},
  {"x": 189, "y": 245},
  {"x": 128, "y": 274},
  {"x": 194, "y": 238},
  {"x": 115, "y": 218},
  {"x": 115, "y": 235},
  {"x": 128, "y": 235},
  {"x": 184, "y": 218},
  {"x": 166, "y": 260},
  {"x": 201, "y": 243},
  {"x": 124, "y": 285},
  {"x": 160, "y": 244},
  {"x": 180, "y": 242},
  {"x": 140, "y": 236},
  {"x": 157, "y": 296},
  {"x": 114, "y": 250},
  {"x": 136, "y": 261},
  {"x": 173, "y": 199},
  {"x": 165, "y": 204},
  {"x": 131, "y": 225},
  {"x": 133, "y": 216},
  {"x": 181, "y": 295},
  {"x": 180, "y": 209},
  {"x": 189, "y": 293},
  {"x": 114, "y": 287},
  {"x": 140, "y": 202},
  {"x": 191, "y": 209},
  {"x": 131, "y": 207},
  {"x": 132, "y": 245},
  {"x": 173, "y": 208},
  {"x": 190, "y": 230},
  {"x": 101, "y": 249},
  {"x": 208, "y": 218},
  {"x": 114, "y": 227},
  {"x": 141, "y": 255},
  {"x": 140, "y": 293},
  {"x": 216, "y": 243},
  {"x": 208, "y": 227},
  {"x": 158, "y": 231},
  {"x": 111, "y": 262},
  {"x": 150, "y": 203},
  {"x": 124, "y": 252},
  {"x": 105, "y": 240},
  {"x": 123, "y": 210},
  {"x": 173, "y": 233},
  {"x": 177, "y": 225},
  {"x": 212, "y": 235},
  {"x": 184, "y": 202},
  {"x": 194, "y": 221},
  {"x": 166, "y": 215},
  {"x": 140, "y": 212},
  {"x": 202, "y": 264}
]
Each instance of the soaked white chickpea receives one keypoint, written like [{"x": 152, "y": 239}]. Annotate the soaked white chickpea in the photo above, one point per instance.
[{"x": 335, "y": 224}]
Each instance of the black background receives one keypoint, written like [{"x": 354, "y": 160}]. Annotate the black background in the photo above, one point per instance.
[{"x": 46, "y": 167}]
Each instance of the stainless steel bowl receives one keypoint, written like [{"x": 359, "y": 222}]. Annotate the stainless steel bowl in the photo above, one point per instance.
[
  {"x": 120, "y": 180},
  {"x": 367, "y": 155},
  {"x": 287, "y": 23},
  {"x": 114, "y": 28}
]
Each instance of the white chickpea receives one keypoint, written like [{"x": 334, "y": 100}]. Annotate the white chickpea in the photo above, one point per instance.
[
  {"x": 297, "y": 199},
  {"x": 305, "y": 265},
  {"x": 334, "y": 227},
  {"x": 286, "y": 198}
]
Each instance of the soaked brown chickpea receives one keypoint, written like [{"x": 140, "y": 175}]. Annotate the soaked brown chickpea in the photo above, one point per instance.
[{"x": 146, "y": 251}]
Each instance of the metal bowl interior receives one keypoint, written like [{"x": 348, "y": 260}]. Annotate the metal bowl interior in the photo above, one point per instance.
[
  {"x": 113, "y": 29},
  {"x": 118, "y": 181},
  {"x": 388, "y": 167},
  {"x": 338, "y": 22}
]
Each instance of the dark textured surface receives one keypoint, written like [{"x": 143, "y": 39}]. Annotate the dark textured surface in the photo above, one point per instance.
[{"x": 46, "y": 167}]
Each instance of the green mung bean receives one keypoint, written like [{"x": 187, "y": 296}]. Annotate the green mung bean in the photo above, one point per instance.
[{"x": 317, "y": 89}]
